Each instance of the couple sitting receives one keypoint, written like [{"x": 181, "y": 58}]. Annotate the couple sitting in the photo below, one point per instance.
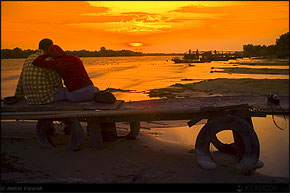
[
  {"x": 79, "y": 86},
  {"x": 40, "y": 82}
]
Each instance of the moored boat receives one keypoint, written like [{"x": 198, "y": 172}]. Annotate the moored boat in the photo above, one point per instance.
[
  {"x": 207, "y": 56},
  {"x": 178, "y": 60}
]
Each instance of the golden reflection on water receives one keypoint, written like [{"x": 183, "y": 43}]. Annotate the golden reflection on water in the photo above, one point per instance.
[{"x": 138, "y": 74}]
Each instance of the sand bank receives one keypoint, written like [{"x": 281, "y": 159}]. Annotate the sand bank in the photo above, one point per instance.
[
  {"x": 225, "y": 87},
  {"x": 145, "y": 160}
]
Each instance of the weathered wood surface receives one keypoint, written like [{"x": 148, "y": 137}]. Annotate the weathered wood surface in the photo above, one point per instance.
[
  {"x": 23, "y": 106},
  {"x": 165, "y": 109}
]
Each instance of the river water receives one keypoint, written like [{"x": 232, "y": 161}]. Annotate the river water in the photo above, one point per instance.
[{"x": 142, "y": 73}]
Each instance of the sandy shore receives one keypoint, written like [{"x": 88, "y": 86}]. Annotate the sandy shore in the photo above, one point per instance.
[{"x": 145, "y": 160}]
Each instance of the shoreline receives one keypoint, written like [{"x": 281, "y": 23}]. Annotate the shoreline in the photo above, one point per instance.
[{"x": 149, "y": 157}]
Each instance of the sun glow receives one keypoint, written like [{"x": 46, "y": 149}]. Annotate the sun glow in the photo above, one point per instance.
[{"x": 136, "y": 44}]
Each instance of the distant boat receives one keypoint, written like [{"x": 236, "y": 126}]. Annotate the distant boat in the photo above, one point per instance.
[
  {"x": 178, "y": 60},
  {"x": 207, "y": 56}
]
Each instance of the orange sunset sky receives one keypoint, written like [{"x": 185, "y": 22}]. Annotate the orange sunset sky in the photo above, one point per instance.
[{"x": 146, "y": 26}]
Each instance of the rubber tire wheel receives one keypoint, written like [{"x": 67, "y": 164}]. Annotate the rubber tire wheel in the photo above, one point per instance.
[{"x": 248, "y": 136}]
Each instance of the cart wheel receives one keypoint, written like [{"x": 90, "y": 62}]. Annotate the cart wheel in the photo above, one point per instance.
[
  {"x": 247, "y": 135},
  {"x": 223, "y": 147},
  {"x": 235, "y": 148}
]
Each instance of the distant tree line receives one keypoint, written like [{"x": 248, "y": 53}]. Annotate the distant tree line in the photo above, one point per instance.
[
  {"x": 279, "y": 50},
  {"x": 15, "y": 53},
  {"x": 103, "y": 52}
]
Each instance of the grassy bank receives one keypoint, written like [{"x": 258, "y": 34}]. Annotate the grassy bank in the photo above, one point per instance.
[
  {"x": 251, "y": 70},
  {"x": 223, "y": 86}
]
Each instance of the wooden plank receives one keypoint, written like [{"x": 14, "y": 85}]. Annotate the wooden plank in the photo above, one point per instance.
[
  {"x": 197, "y": 102},
  {"x": 166, "y": 109},
  {"x": 102, "y": 114},
  {"x": 123, "y": 115},
  {"x": 221, "y": 108},
  {"x": 23, "y": 106}
]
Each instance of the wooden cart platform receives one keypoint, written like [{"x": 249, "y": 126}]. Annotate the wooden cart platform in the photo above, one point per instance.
[
  {"x": 223, "y": 112},
  {"x": 148, "y": 110}
]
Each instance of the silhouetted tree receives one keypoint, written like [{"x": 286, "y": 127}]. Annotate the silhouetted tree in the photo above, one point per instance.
[
  {"x": 271, "y": 51},
  {"x": 279, "y": 50},
  {"x": 282, "y": 46},
  {"x": 102, "y": 49}
]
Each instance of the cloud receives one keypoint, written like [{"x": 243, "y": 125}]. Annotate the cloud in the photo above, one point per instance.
[
  {"x": 47, "y": 11},
  {"x": 200, "y": 9},
  {"x": 157, "y": 22},
  {"x": 208, "y": 6},
  {"x": 132, "y": 26},
  {"x": 137, "y": 13},
  {"x": 143, "y": 16}
]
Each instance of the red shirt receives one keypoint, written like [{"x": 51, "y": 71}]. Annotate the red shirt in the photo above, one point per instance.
[{"x": 69, "y": 67}]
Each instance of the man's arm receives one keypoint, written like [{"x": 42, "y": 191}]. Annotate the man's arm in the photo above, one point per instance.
[
  {"x": 51, "y": 65},
  {"x": 41, "y": 62}
]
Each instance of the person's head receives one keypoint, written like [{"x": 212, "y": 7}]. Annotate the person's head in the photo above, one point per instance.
[
  {"x": 44, "y": 44},
  {"x": 55, "y": 51}
]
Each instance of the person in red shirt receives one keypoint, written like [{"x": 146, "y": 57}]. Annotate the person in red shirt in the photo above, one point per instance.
[{"x": 79, "y": 86}]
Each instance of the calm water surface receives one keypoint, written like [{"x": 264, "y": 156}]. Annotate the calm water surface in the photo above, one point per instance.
[{"x": 140, "y": 74}]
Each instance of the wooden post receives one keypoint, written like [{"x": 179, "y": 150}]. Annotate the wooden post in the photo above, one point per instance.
[
  {"x": 109, "y": 131},
  {"x": 95, "y": 133},
  {"x": 134, "y": 130}
]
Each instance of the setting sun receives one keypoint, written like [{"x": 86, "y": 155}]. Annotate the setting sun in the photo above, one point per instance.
[{"x": 137, "y": 44}]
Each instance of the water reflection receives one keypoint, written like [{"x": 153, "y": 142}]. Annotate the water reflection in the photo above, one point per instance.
[{"x": 137, "y": 73}]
